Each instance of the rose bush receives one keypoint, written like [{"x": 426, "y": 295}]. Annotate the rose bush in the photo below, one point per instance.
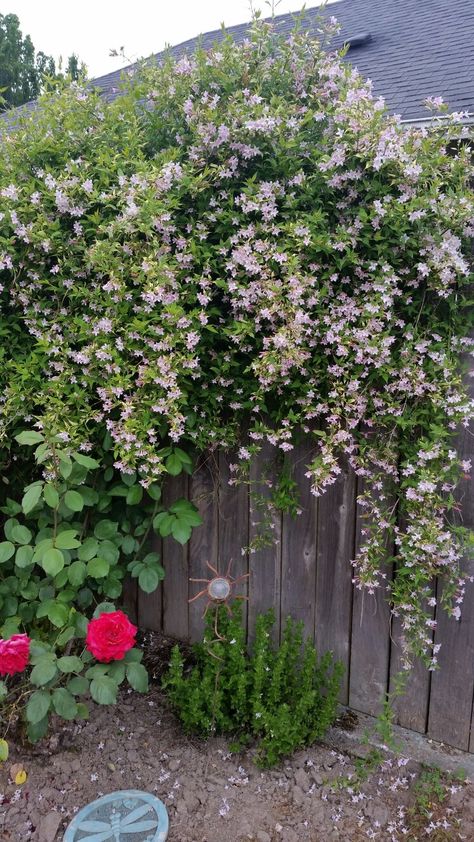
[
  {"x": 110, "y": 636},
  {"x": 243, "y": 240}
]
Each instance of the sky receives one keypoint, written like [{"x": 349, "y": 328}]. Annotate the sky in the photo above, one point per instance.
[{"x": 92, "y": 28}]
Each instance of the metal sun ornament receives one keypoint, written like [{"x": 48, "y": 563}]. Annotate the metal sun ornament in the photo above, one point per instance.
[
  {"x": 125, "y": 815},
  {"x": 219, "y": 589}
]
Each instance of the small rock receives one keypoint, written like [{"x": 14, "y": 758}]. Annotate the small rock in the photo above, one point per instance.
[
  {"x": 298, "y": 796},
  {"x": 48, "y": 827},
  {"x": 302, "y": 779},
  {"x": 278, "y": 827},
  {"x": 378, "y": 812},
  {"x": 173, "y": 765},
  {"x": 263, "y": 836},
  {"x": 289, "y": 835}
]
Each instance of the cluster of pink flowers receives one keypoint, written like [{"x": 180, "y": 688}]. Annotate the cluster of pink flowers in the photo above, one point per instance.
[{"x": 260, "y": 246}]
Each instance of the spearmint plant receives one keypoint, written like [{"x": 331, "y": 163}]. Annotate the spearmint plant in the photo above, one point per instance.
[{"x": 283, "y": 698}]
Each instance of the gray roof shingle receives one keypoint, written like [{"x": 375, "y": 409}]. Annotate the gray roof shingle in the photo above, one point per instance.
[{"x": 418, "y": 48}]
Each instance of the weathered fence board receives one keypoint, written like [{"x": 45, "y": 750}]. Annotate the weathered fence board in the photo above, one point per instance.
[
  {"x": 203, "y": 546},
  {"x": 175, "y": 563},
  {"x": 336, "y": 536},
  {"x": 264, "y": 561},
  {"x": 370, "y": 641},
  {"x": 298, "y": 572},
  {"x": 233, "y": 529}
]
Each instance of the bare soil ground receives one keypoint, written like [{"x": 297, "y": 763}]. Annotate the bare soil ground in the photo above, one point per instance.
[{"x": 213, "y": 796}]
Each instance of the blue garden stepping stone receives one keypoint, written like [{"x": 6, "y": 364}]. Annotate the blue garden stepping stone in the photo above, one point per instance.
[{"x": 128, "y": 815}]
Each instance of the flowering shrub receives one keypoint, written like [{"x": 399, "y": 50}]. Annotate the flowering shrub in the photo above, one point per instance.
[{"x": 242, "y": 240}]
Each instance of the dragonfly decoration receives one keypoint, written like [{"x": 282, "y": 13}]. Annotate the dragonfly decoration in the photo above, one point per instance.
[{"x": 116, "y": 817}]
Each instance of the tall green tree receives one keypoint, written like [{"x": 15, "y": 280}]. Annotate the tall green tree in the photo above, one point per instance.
[{"x": 23, "y": 71}]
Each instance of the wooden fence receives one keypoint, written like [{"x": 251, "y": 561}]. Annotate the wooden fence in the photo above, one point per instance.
[{"x": 306, "y": 573}]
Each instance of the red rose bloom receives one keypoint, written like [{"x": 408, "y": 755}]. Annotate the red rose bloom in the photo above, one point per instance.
[
  {"x": 14, "y": 654},
  {"x": 110, "y": 636}
]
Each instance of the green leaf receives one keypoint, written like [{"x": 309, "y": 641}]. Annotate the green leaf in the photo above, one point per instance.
[
  {"x": 3, "y": 751},
  {"x": 65, "y": 468},
  {"x": 128, "y": 544},
  {"x": 181, "y": 531},
  {"x": 86, "y": 461},
  {"x": 134, "y": 495},
  {"x": 58, "y": 614},
  {"x": 104, "y": 608},
  {"x": 51, "y": 496},
  {"x": 29, "y": 437},
  {"x": 163, "y": 523},
  {"x": 37, "y": 730},
  {"x": 88, "y": 549},
  {"x": 98, "y": 568},
  {"x": 64, "y": 703},
  {"x": 38, "y": 706},
  {"x": 148, "y": 579},
  {"x": 133, "y": 656},
  {"x": 173, "y": 465},
  {"x": 74, "y": 501},
  {"x": 109, "y": 552},
  {"x": 44, "y": 670},
  {"x": 103, "y": 690},
  {"x": 21, "y": 534},
  {"x": 78, "y": 685},
  {"x": 66, "y": 540},
  {"x": 105, "y": 529},
  {"x": 185, "y": 459},
  {"x": 82, "y": 711},
  {"x": 137, "y": 677},
  {"x": 70, "y": 663},
  {"x": 7, "y": 549},
  {"x": 65, "y": 636},
  {"x": 116, "y": 671},
  {"x": 24, "y": 556},
  {"x": 53, "y": 561},
  {"x": 77, "y": 573},
  {"x": 31, "y": 498},
  {"x": 3, "y": 691},
  {"x": 89, "y": 495},
  {"x": 154, "y": 491}
]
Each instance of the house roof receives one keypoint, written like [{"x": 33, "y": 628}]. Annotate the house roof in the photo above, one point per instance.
[{"x": 416, "y": 49}]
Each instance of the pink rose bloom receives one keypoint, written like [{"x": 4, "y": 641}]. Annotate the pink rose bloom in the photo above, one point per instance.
[
  {"x": 14, "y": 654},
  {"x": 110, "y": 636}
]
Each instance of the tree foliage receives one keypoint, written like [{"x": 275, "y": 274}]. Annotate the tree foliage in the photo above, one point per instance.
[{"x": 23, "y": 71}]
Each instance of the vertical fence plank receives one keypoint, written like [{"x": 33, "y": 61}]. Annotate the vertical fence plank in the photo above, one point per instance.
[
  {"x": 264, "y": 562},
  {"x": 149, "y": 605},
  {"x": 130, "y": 598},
  {"x": 299, "y": 548},
  {"x": 452, "y": 685},
  {"x": 175, "y": 563},
  {"x": 203, "y": 546},
  {"x": 370, "y": 642},
  {"x": 411, "y": 708},
  {"x": 233, "y": 527},
  {"x": 335, "y": 530}
]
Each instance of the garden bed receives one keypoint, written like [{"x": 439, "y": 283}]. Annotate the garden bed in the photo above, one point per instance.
[{"x": 212, "y": 795}]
